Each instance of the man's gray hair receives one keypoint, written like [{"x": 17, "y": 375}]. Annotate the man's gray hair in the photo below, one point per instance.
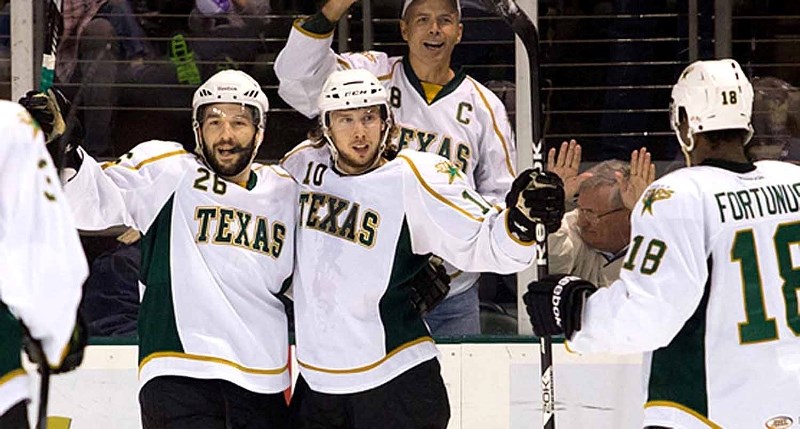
[{"x": 604, "y": 174}]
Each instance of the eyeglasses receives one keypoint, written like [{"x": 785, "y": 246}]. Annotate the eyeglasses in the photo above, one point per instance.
[{"x": 594, "y": 217}]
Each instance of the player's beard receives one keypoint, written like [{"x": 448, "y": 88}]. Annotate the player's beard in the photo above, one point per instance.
[
  {"x": 355, "y": 163},
  {"x": 245, "y": 155}
]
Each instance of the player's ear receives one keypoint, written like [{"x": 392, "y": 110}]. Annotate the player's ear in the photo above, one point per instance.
[
  {"x": 460, "y": 32},
  {"x": 404, "y": 30}
]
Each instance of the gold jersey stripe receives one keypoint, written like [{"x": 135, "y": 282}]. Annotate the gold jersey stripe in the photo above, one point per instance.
[
  {"x": 370, "y": 366},
  {"x": 297, "y": 24},
  {"x": 391, "y": 72},
  {"x": 509, "y": 165},
  {"x": 437, "y": 195},
  {"x": 11, "y": 375},
  {"x": 213, "y": 359},
  {"x": 670, "y": 404},
  {"x": 146, "y": 161}
]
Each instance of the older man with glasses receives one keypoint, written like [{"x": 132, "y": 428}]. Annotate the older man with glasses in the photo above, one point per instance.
[{"x": 594, "y": 237}]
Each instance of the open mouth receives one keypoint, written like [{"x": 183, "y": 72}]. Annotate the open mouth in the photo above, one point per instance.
[
  {"x": 433, "y": 46},
  {"x": 361, "y": 149}
]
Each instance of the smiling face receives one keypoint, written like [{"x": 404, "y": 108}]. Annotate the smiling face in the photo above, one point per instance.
[
  {"x": 228, "y": 134},
  {"x": 432, "y": 30},
  {"x": 356, "y": 133}
]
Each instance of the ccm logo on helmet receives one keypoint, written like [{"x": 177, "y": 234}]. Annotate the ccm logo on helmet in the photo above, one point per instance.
[{"x": 355, "y": 92}]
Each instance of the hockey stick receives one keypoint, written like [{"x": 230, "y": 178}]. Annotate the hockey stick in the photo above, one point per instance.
[
  {"x": 55, "y": 26},
  {"x": 528, "y": 34},
  {"x": 36, "y": 352}
]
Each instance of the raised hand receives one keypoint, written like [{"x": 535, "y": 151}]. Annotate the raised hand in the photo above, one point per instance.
[
  {"x": 334, "y": 10},
  {"x": 566, "y": 166},
  {"x": 643, "y": 173}
]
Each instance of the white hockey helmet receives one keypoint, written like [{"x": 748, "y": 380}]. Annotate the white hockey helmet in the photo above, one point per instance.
[
  {"x": 353, "y": 89},
  {"x": 716, "y": 95},
  {"x": 230, "y": 86}
]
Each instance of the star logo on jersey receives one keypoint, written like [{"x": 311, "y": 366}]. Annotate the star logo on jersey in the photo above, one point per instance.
[
  {"x": 653, "y": 195},
  {"x": 449, "y": 169}
]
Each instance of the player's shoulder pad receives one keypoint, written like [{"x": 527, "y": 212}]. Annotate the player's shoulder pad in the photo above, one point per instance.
[
  {"x": 271, "y": 170},
  {"x": 484, "y": 94},
  {"x": 296, "y": 160},
  {"x": 431, "y": 168},
  {"x": 779, "y": 168},
  {"x": 151, "y": 152},
  {"x": 670, "y": 194}
]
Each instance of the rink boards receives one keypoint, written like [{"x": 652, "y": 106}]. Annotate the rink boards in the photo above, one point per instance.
[{"x": 491, "y": 386}]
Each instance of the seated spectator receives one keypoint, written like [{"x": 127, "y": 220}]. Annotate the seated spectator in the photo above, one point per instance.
[
  {"x": 776, "y": 121},
  {"x": 594, "y": 237}
]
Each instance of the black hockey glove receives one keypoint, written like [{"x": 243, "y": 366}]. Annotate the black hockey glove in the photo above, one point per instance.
[
  {"x": 48, "y": 110},
  {"x": 74, "y": 352},
  {"x": 429, "y": 287},
  {"x": 535, "y": 197},
  {"x": 555, "y": 304}
]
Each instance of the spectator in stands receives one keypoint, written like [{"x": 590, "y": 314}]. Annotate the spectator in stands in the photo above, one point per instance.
[
  {"x": 437, "y": 109},
  {"x": 220, "y": 24},
  {"x": 776, "y": 121},
  {"x": 594, "y": 237},
  {"x": 99, "y": 33}
]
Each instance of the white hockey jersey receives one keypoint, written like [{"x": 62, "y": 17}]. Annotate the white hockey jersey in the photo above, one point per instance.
[
  {"x": 214, "y": 257},
  {"x": 465, "y": 123},
  {"x": 360, "y": 239},
  {"x": 710, "y": 286},
  {"x": 41, "y": 259}
]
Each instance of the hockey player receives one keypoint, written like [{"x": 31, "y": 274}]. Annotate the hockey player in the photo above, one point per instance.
[
  {"x": 217, "y": 248},
  {"x": 437, "y": 110},
  {"x": 41, "y": 261},
  {"x": 709, "y": 286},
  {"x": 367, "y": 225}
]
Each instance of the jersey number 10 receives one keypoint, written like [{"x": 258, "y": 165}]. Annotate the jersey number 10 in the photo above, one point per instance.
[{"x": 758, "y": 326}]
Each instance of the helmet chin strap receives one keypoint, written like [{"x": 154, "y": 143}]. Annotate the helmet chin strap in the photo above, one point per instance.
[{"x": 687, "y": 148}]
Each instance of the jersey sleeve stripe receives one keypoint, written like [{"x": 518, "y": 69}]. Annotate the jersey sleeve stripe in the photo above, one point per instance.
[
  {"x": 370, "y": 366},
  {"x": 695, "y": 414},
  {"x": 11, "y": 375},
  {"x": 515, "y": 239},
  {"x": 298, "y": 25},
  {"x": 202, "y": 358},
  {"x": 343, "y": 63},
  {"x": 437, "y": 195},
  {"x": 389, "y": 75},
  {"x": 146, "y": 161},
  {"x": 509, "y": 164}
]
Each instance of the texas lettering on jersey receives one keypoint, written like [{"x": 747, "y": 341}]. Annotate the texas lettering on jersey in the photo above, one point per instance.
[
  {"x": 229, "y": 226},
  {"x": 339, "y": 217},
  {"x": 458, "y": 152}
]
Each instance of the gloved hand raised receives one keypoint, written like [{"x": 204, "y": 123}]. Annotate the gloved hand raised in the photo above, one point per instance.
[
  {"x": 48, "y": 109},
  {"x": 535, "y": 197}
]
